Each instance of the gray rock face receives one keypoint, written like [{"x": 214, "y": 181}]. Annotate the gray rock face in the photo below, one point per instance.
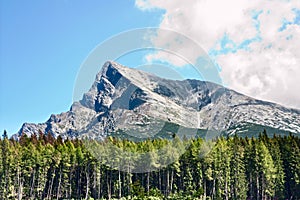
[{"x": 140, "y": 103}]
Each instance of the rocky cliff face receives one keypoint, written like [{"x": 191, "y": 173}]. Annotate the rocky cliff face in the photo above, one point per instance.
[{"x": 139, "y": 103}]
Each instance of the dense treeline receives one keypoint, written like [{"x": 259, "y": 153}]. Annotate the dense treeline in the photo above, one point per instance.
[{"x": 42, "y": 167}]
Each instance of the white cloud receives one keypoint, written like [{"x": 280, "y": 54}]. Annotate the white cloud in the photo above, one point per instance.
[
  {"x": 268, "y": 69},
  {"x": 266, "y": 73}
]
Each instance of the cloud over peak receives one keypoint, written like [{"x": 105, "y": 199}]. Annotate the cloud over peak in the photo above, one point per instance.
[{"x": 254, "y": 42}]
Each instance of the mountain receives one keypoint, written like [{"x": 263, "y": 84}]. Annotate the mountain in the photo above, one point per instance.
[{"x": 123, "y": 100}]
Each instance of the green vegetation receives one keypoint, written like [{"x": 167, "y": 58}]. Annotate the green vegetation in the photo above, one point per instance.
[{"x": 42, "y": 167}]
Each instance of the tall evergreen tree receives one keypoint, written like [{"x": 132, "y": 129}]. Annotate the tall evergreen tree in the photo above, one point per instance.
[{"x": 237, "y": 169}]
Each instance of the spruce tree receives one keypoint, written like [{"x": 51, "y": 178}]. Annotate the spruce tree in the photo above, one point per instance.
[{"x": 237, "y": 170}]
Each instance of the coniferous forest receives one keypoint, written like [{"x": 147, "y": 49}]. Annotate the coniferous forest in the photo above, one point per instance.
[{"x": 42, "y": 167}]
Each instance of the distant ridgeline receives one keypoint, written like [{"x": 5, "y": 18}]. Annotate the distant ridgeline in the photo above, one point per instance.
[
  {"x": 169, "y": 130},
  {"x": 44, "y": 167}
]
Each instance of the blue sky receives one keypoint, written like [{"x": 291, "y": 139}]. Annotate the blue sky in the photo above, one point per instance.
[
  {"x": 254, "y": 45},
  {"x": 42, "y": 45}
]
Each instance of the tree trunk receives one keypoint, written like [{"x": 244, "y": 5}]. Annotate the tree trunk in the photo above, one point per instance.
[
  {"x": 204, "y": 188},
  {"x": 129, "y": 178},
  {"x": 94, "y": 192},
  {"x": 59, "y": 183},
  {"x": 168, "y": 183},
  {"x": 38, "y": 184},
  {"x": 108, "y": 187},
  {"x": 87, "y": 183},
  {"x": 20, "y": 190},
  {"x": 214, "y": 188},
  {"x": 20, "y": 183},
  {"x": 226, "y": 189},
  {"x": 79, "y": 182},
  {"x": 32, "y": 184},
  {"x": 172, "y": 179},
  {"x": 99, "y": 186},
  {"x": 262, "y": 187},
  {"x": 148, "y": 182},
  {"x": 120, "y": 185},
  {"x": 257, "y": 187},
  {"x": 251, "y": 187},
  {"x": 159, "y": 179},
  {"x": 70, "y": 183},
  {"x": 49, "y": 195}
]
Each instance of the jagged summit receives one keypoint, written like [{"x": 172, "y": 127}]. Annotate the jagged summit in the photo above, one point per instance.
[{"x": 139, "y": 103}]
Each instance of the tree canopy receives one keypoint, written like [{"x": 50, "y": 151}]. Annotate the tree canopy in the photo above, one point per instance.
[{"x": 44, "y": 167}]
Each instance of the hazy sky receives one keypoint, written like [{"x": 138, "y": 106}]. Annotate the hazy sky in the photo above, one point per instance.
[{"x": 254, "y": 43}]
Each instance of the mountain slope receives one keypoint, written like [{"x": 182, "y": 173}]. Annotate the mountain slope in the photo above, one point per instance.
[{"x": 140, "y": 104}]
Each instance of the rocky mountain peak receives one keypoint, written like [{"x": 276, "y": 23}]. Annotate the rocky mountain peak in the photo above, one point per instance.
[{"x": 129, "y": 100}]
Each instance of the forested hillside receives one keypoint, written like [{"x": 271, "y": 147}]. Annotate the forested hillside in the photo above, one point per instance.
[{"x": 42, "y": 167}]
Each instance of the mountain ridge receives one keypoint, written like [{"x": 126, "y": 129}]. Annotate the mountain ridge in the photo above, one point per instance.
[{"x": 138, "y": 102}]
